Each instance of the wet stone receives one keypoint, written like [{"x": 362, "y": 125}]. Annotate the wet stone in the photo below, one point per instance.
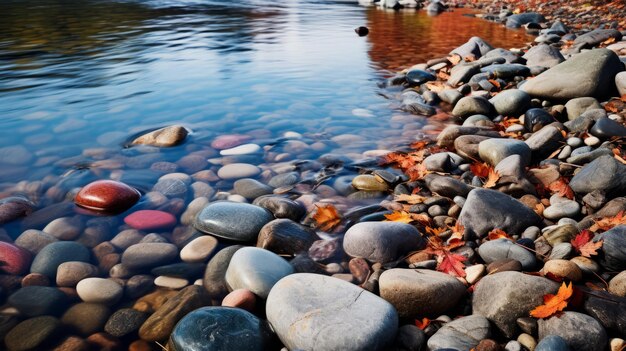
[
  {"x": 606, "y": 128},
  {"x": 124, "y": 322},
  {"x": 232, "y": 221},
  {"x": 99, "y": 290},
  {"x": 164, "y": 137},
  {"x": 251, "y": 188},
  {"x": 31, "y": 333},
  {"x": 148, "y": 255},
  {"x": 34, "y": 240},
  {"x": 257, "y": 270},
  {"x": 70, "y": 273},
  {"x": 580, "y": 331},
  {"x": 418, "y": 76},
  {"x": 286, "y": 237},
  {"x": 461, "y": 334},
  {"x": 149, "y": 220},
  {"x": 107, "y": 196},
  {"x": 381, "y": 241},
  {"x": 14, "y": 207},
  {"x": 86, "y": 318},
  {"x": 54, "y": 254},
  {"x": 15, "y": 260},
  {"x": 32, "y": 301},
  {"x": 214, "y": 280}
]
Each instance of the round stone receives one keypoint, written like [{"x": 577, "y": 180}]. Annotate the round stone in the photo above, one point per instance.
[
  {"x": 50, "y": 257},
  {"x": 31, "y": 333},
  {"x": 86, "y": 318},
  {"x": 124, "y": 322},
  {"x": 418, "y": 76},
  {"x": 99, "y": 290},
  {"x": 65, "y": 228},
  {"x": 238, "y": 170},
  {"x": 244, "y": 149},
  {"x": 149, "y": 255},
  {"x": 256, "y": 269},
  {"x": 563, "y": 268},
  {"x": 170, "y": 282},
  {"x": 107, "y": 196},
  {"x": 70, "y": 273},
  {"x": 34, "y": 240},
  {"x": 381, "y": 241},
  {"x": 232, "y": 221},
  {"x": 220, "y": 328},
  {"x": 199, "y": 249},
  {"x": 150, "y": 220},
  {"x": 240, "y": 298},
  {"x": 15, "y": 260},
  {"x": 369, "y": 182}
]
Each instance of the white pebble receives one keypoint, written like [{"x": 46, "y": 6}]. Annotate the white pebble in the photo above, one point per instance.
[
  {"x": 170, "y": 282},
  {"x": 244, "y": 149},
  {"x": 199, "y": 249},
  {"x": 592, "y": 141}
]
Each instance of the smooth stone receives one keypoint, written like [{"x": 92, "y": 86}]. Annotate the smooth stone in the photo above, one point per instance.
[
  {"x": 32, "y": 301},
  {"x": 164, "y": 137},
  {"x": 256, "y": 270},
  {"x": 286, "y": 237},
  {"x": 14, "y": 260},
  {"x": 485, "y": 210},
  {"x": 124, "y": 322},
  {"x": 597, "y": 36},
  {"x": 34, "y": 240},
  {"x": 65, "y": 228},
  {"x": 606, "y": 128},
  {"x": 508, "y": 55},
  {"x": 448, "y": 136},
  {"x": 467, "y": 145},
  {"x": 150, "y": 220},
  {"x": 461, "y": 334},
  {"x": 561, "y": 251},
  {"x": 451, "y": 96},
  {"x": 229, "y": 141},
  {"x": 604, "y": 174},
  {"x": 613, "y": 248},
  {"x": 507, "y": 70},
  {"x": 107, "y": 196},
  {"x": 499, "y": 249},
  {"x": 86, "y": 318},
  {"x": 537, "y": 118},
  {"x": 369, "y": 182},
  {"x": 244, "y": 149},
  {"x": 475, "y": 46},
  {"x": 580, "y": 331},
  {"x": 609, "y": 310},
  {"x": 590, "y": 73},
  {"x": 70, "y": 273},
  {"x": 495, "y": 150},
  {"x": 563, "y": 268},
  {"x": 566, "y": 208},
  {"x": 461, "y": 74},
  {"x": 545, "y": 141},
  {"x": 251, "y": 188},
  {"x": 199, "y": 249},
  {"x": 99, "y": 290},
  {"x": 31, "y": 333},
  {"x": 418, "y": 292},
  {"x": 552, "y": 343},
  {"x": 512, "y": 102},
  {"x": 300, "y": 314},
  {"x": 586, "y": 157},
  {"x": 170, "y": 282},
  {"x": 561, "y": 234},
  {"x": 381, "y": 241},
  {"x": 576, "y": 107},
  {"x": 238, "y": 170},
  {"x": 418, "y": 76},
  {"x": 14, "y": 207},
  {"x": 232, "y": 221},
  {"x": 281, "y": 207},
  {"x": 469, "y": 105},
  {"x": 617, "y": 285},
  {"x": 518, "y": 20},
  {"x": 240, "y": 298},
  {"x": 149, "y": 255},
  {"x": 439, "y": 162},
  {"x": 54, "y": 254},
  {"x": 506, "y": 296},
  {"x": 181, "y": 270},
  {"x": 124, "y": 239},
  {"x": 220, "y": 328},
  {"x": 477, "y": 121},
  {"x": 446, "y": 186},
  {"x": 543, "y": 55},
  {"x": 171, "y": 187},
  {"x": 284, "y": 179},
  {"x": 620, "y": 82},
  {"x": 214, "y": 280},
  {"x": 161, "y": 323},
  {"x": 504, "y": 265}
]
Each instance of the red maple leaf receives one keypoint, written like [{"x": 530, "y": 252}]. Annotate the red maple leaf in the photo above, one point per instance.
[
  {"x": 583, "y": 244},
  {"x": 447, "y": 261}
]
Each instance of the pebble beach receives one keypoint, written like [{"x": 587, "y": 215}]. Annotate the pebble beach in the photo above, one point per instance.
[{"x": 500, "y": 188}]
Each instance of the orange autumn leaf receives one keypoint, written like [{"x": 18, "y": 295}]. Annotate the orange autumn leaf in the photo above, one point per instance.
[
  {"x": 495, "y": 83},
  {"x": 425, "y": 322},
  {"x": 618, "y": 154},
  {"x": 480, "y": 169},
  {"x": 539, "y": 208},
  {"x": 623, "y": 98},
  {"x": 457, "y": 232},
  {"x": 447, "y": 261},
  {"x": 590, "y": 248},
  {"x": 419, "y": 145},
  {"x": 399, "y": 216},
  {"x": 434, "y": 231},
  {"x": 584, "y": 245},
  {"x": 607, "y": 223},
  {"x": 561, "y": 187},
  {"x": 326, "y": 217},
  {"x": 410, "y": 199},
  {"x": 492, "y": 179},
  {"x": 417, "y": 172},
  {"x": 553, "y": 303},
  {"x": 498, "y": 234}
]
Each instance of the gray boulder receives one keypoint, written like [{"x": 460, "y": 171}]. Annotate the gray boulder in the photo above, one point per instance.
[
  {"x": 604, "y": 174},
  {"x": 580, "y": 331}
]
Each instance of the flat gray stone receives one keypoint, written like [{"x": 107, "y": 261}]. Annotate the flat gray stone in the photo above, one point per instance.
[
  {"x": 495, "y": 150},
  {"x": 460, "y": 334},
  {"x": 381, "y": 241},
  {"x": 580, "y": 331},
  {"x": 232, "y": 220},
  {"x": 500, "y": 249}
]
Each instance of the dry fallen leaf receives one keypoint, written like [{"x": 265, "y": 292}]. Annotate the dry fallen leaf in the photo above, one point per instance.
[
  {"x": 492, "y": 179},
  {"x": 425, "y": 322},
  {"x": 498, "y": 234},
  {"x": 553, "y": 303},
  {"x": 584, "y": 245},
  {"x": 457, "y": 232},
  {"x": 410, "y": 199},
  {"x": 480, "y": 169},
  {"x": 539, "y": 208},
  {"x": 447, "y": 261},
  {"x": 561, "y": 187},
  {"x": 607, "y": 223},
  {"x": 434, "y": 231},
  {"x": 399, "y": 216},
  {"x": 326, "y": 217}
]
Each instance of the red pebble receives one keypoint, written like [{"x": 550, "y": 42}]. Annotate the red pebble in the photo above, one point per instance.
[
  {"x": 150, "y": 220},
  {"x": 13, "y": 259},
  {"x": 242, "y": 298},
  {"x": 107, "y": 196}
]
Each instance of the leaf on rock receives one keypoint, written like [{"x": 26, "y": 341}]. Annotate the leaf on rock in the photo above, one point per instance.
[
  {"x": 410, "y": 199},
  {"x": 399, "y": 216},
  {"x": 417, "y": 172},
  {"x": 607, "y": 223},
  {"x": 581, "y": 239},
  {"x": 492, "y": 179},
  {"x": 434, "y": 231},
  {"x": 457, "y": 232},
  {"x": 539, "y": 208},
  {"x": 590, "y": 248},
  {"x": 326, "y": 217},
  {"x": 498, "y": 234},
  {"x": 419, "y": 145},
  {"x": 425, "y": 322},
  {"x": 553, "y": 303},
  {"x": 562, "y": 187}
]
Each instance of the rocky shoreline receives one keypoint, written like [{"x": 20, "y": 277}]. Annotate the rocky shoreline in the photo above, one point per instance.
[{"x": 457, "y": 243}]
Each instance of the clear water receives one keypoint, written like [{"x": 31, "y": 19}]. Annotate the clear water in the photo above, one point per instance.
[{"x": 78, "y": 78}]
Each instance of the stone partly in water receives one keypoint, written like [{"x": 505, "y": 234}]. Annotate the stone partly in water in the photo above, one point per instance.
[
  {"x": 418, "y": 76},
  {"x": 232, "y": 220},
  {"x": 150, "y": 220},
  {"x": 13, "y": 259},
  {"x": 220, "y": 328},
  {"x": 164, "y": 137},
  {"x": 149, "y": 255},
  {"x": 286, "y": 237},
  {"x": 50, "y": 257},
  {"x": 14, "y": 207},
  {"x": 316, "y": 312},
  {"x": 381, "y": 241},
  {"x": 107, "y": 196},
  {"x": 591, "y": 73}
]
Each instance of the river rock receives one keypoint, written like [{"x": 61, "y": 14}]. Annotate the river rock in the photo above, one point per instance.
[
  {"x": 517, "y": 20},
  {"x": 471, "y": 105},
  {"x": 65, "y": 228},
  {"x": 503, "y": 297},
  {"x": 50, "y": 257},
  {"x": 281, "y": 207},
  {"x": 31, "y": 333},
  {"x": 552, "y": 343},
  {"x": 286, "y": 237},
  {"x": 563, "y": 268},
  {"x": 251, "y": 188},
  {"x": 199, "y": 249},
  {"x": 238, "y": 170},
  {"x": 461, "y": 334},
  {"x": 32, "y": 301},
  {"x": 512, "y": 102},
  {"x": 150, "y": 220},
  {"x": 565, "y": 208},
  {"x": 99, "y": 290},
  {"x": 475, "y": 46},
  {"x": 576, "y": 107},
  {"x": 228, "y": 141},
  {"x": 418, "y": 76},
  {"x": 606, "y": 128},
  {"x": 381, "y": 241},
  {"x": 609, "y": 310},
  {"x": 369, "y": 182},
  {"x": 15, "y": 260},
  {"x": 590, "y": 73},
  {"x": 70, "y": 273},
  {"x": 485, "y": 210},
  {"x": 86, "y": 318},
  {"x": 617, "y": 285},
  {"x": 543, "y": 142},
  {"x": 149, "y": 255},
  {"x": 300, "y": 314},
  {"x": 597, "y": 36},
  {"x": 613, "y": 248},
  {"x": 543, "y": 55},
  {"x": 214, "y": 280},
  {"x": 580, "y": 331},
  {"x": 124, "y": 322},
  {"x": 604, "y": 174},
  {"x": 14, "y": 207},
  {"x": 256, "y": 269},
  {"x": 417, "y": 292},
  {"x": 240, "y": 298},
  {"x": 232, "y": 221},
  {"x": 500, "y": 249},
  {"x": 620, "y": 82},
  {"x": 34, "y": 240},
  {"x": 244, "y": 149},
  {"x": 160, "y": 324},
  {"x": 164, "y": 137},
  {"x": 446, "y": 186},
  {"x": 107, "y": 196},
  {"x": 495, "y": 150}
]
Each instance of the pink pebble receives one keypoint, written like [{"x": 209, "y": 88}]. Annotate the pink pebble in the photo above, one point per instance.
[
  {"x": 150, "y": 220},
  {"x": 229, "y": 140},
  {"x": 13, "y": 259},
  {"x": 242, "y": 298}
]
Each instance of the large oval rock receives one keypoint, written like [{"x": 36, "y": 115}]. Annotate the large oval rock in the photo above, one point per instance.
[
  {"x": 613, "y": 248},
  {"x": 70, "y": 273},
  {"x": 580, "y": 331},
  {"x": 512, "y": 102},
  {"x": 281, "y": 207},
  {"x": 99, "y": 290},
  {"x": 472, "y": 105},
  {"x": 417, "y": 292},
  {"x": 286, "y": 237},
  {"x": 220, "y": 328},
  {"x": 31, "y": 333},
  {"x": 256, "y": 269},
  {"x": 107, "y": 196},
  {"x": 381, "y": 241},
  {"x": 590, "y": 73},
  {"x": 503, "y": 297},
  {"x": 13, "y": 259},
  {"x": 149, "y": 255},
  {"x": 495, "y": 150},
  {"x": 604, "y": 174},
  {"x": 50, "y": 257},
  {"x": 86, "y": 318},
  {"x": 232, "y": 220},
  {"x": 32, "y": 301},
  {"x": 125, "y": 321},
  {"x": 485, "y": 210},
  {"x": 460, "y": 334},
  {"x": 316, "y": 312}
]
